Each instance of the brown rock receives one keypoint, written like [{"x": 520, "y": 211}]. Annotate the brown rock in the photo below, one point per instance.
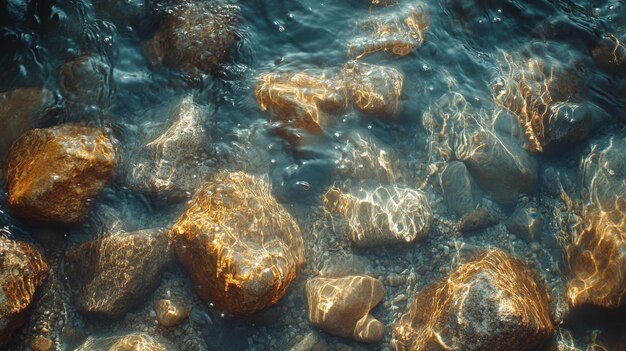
[
  {"x": 398, "y": 32},
  {"x": 194, "y": 36},
  {"x": 241, "y": 248},
  {"x": 374, "y": 89},
  {"x": 386, "y": 215},
  {"x": 22, "y": 271},
  {"x": 133, "y": 342},
  {"x": 54, "y": 174},
  {"x": 364, "y": 159},
  {"x": 493, "y": 302},
  {"x": 171, "y": 312},
  {"x": 341, "y": 306},
  {"x": 301, "y": 100},
  {"x": 596, "y": 252},
  {"x": 112, "y": 275},
  {"x": 42, "y": 343},
  {"x": 174, "y": 164},
  {"x": 20, "y": 110},
  {"x": 87, "y": 80}
]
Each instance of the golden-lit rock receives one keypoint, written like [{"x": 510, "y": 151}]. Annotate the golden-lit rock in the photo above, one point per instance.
[
  {"x": 301, "y": 100},
  {"x": 596, "y": 253},
  {"x": 114, "y": 274},
  {"x": 241, "y": 248},
  {"x": 22, "y": 271},
  {"x": 362, "y": 158},
  {"x": 175, "y": 163},
  {"x": 544, "y": 100},
  {"x": 171, "y": 312},
  {"x": 387, "y": 215},
  {"x": 341, "y": 306},
  {"x": 133, "y": 342},
  {"x": 86, "y": 79},
  {"x": 20, "y": 110},
  {"x": 493, "y": 302},
  {"x": 41, "y": 343},
  {"x": 194, "y": 36},
  {"x": 398, "y": 32},
  {"x": 374, "y": 89},
  {"x": 53, "y": 174}
]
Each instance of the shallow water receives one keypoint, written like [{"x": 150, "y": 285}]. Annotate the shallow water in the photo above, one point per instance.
[{"x": 469, "y": 47}]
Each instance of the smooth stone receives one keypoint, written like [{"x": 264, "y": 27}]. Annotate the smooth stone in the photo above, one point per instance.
[
  {"x": 241, "y": 248},
  {"x": 525, "y": 223},
  {"x": 372, "y": 89},
  {"x": 493, "y": 302},
  {"x": 311, "y": 342},
  {"x": 171, "y": 312},
  {"x": 54, "y": 174},
  {"x": 132, "y": 342},
  {"x": 341, "y": 306},
  {"x": 112, "y": 275},
  {"x": 478, "y": 219},
  {"x": 460, "y": 190},
  {"x": 23, "y": 270},
  {"x": 87, "y": 80},
  {"x": 609, "y": 54}
]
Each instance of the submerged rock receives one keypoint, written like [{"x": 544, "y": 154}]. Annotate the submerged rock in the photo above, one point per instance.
[
  {"x": 241, "y": 248},
  {"x": 20, "y": 110},
  {"x": 525, "y": 223},
  {"x": 363, "y": 159},
  {"x": 477, "y": 219},
  {"x": 397, "y": 32},
  {"x": 610, "y": 54},
  {"x": 54, "y": 174},
  {"x": 86, "y": 80},
  {"x": 596, "y": 252},
  {"x": 176, "y": 162},
  {"x": 499, "y": 164},
  {"x": 341, "y": 306},
  {"x": 460, "y": 191},
  {"x": 22, "y": 271},
  {"x": 171, "y": 312},
  {"x": 132, "y": 342},
  {"x": 311, "y": 342},
  {"x": 114, "y": 274},
  {"x": 301, "y": 100},
  {"x": 386, "y": 215},
  {"x": 493, "y": 302},
  {"x": 374, "y": 89},
  {"x": 194, "y": 36}
]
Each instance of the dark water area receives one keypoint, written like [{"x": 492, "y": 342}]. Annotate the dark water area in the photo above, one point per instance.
[{"x": 560, "y": 55}]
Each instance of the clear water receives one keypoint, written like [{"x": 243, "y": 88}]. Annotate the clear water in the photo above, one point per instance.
[{"x": 464, "y": 53}]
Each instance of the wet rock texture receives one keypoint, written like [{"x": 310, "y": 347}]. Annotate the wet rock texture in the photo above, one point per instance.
[
  {"x": 595, "y": 254},
  {"x": 20, "y": 110},
  {"x": 175, "y": 163},
  {"x": 54, "y": 174},
  {"x": 22, "y": 271},
  {"x": 194, "y": 36},
  {"x": 171, "y": 312},
  {"x": 492, "y": 302},
  {"x": 460, "y": 190},
  {"x": 386, "y": 215},
  {"x": 398, "y": 32},
  {"x": 133, "y": 342},
  {"x": 341, "y": 306},
  {"x": 544, "y": 101},
  {"x": 114, "y": 274},
  {"x": 87, "y": 80},
  {"x": 610, "y": 54},
  {"x": 374, "y": 89},
  {"x": 241, "y": 248}
]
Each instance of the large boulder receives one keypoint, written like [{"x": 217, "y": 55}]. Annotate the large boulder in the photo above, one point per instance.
[
  {"x": 132, "y": 342},
  {"x": 241, "y": 248},
  {"x": 386, "y": 215},
  {"x": 400, "y": 31},
  {"x": 596, "y": 252},
  {"x": 194, "y": 36},
  {"x": 114, "y": 274},
  {"x": 373, "y": 89},
  {"x": 175, "y": 163},
  {"x": 54, "y": 174},
  {"x": 22, "y": 271},
  {"x": 493, "y": 302},
  {"x": 20, "y": 110},
  {"x": 341, "y": 306}
]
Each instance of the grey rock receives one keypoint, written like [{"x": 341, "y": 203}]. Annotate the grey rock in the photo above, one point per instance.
[
  {"x": 86, "y": 80},
  {"x": 477, "y": 219},
  {"x": 131, "y": 342},
  {"x": 460, "y": 191},
  {"x": 525, "y": 223}
]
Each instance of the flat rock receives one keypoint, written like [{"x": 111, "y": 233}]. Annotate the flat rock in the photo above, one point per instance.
[
  {"x": 114, "y": 274},
  {"x": 386, "y": 215},
  {"x": 596, "y": 252},
  {"x": 374, "y": 89},
  {"x": 22, "y": 271},
  {"x": 241, "y": 248},
  {"x": 477, "y": 219},
  {"x": 194, "y": 36},
  {"x": 341, "y": 306},
  {"x": 21, "y": 110},
  {"x": 132, "y": 342},
  {"x": 175, "y": 163},
  {"x": 493, "y": 302},
  {"x": 54, "y": 174}
]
